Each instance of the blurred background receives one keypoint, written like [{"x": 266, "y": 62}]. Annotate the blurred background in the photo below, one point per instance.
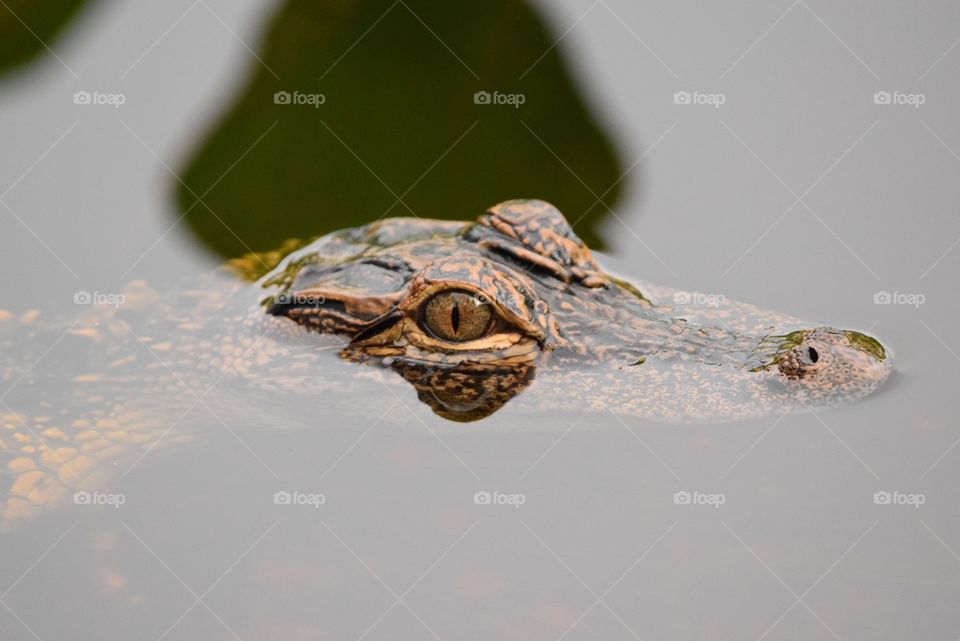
[{"x": 796, "y": 154}]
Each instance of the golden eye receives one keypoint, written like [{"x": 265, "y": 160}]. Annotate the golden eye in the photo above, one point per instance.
[{"x": 457, "y": 316}]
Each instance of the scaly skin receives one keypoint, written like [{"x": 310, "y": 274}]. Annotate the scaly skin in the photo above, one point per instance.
[
  {"x": 602, "y": 341},
  {"x": 119, "y": 383}
]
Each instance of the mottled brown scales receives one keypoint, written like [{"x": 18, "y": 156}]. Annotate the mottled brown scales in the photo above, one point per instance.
[{"x": 549, "y": 296}]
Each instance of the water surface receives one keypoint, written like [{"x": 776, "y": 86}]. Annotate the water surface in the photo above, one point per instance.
[{"x": 798, "y": 193}]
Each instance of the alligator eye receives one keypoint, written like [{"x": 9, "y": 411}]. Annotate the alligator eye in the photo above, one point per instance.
[{"x": 457, "y": 316}]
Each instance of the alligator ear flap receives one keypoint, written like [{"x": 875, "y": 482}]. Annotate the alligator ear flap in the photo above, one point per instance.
[
  {"x": 341, "y": 298},
  {"x": 535, "y": 232}
]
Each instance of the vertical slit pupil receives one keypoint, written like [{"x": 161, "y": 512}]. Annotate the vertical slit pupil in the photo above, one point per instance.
[{"x": 455, "y": 318}]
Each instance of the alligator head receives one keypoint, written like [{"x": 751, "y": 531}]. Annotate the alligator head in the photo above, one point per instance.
[{"x": 468, "y": 312}]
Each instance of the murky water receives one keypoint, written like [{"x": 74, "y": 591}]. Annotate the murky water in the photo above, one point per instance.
[{"x": 361, "y": 514}]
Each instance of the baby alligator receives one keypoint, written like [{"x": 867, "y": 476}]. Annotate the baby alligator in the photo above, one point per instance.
[{"x": 467, "y": 312}]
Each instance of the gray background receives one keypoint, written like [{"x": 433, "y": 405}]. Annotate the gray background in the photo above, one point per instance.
[{"x": 799, "y": 194}]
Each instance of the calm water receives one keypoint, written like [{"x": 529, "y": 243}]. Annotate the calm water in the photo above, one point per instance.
[{"x": 798, "y": 193}]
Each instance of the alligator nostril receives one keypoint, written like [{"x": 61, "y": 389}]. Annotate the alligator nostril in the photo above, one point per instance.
[{"x": 813, "y": 355}]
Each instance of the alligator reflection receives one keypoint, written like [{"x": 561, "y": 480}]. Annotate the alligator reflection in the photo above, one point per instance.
[{"x": 466, "y": 392}]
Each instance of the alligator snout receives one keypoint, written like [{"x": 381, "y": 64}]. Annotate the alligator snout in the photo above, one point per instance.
[{"x": 827, "y": 362}]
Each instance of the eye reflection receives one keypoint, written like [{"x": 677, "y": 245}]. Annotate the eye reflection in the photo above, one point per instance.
[{"x": 466, "y": 392}]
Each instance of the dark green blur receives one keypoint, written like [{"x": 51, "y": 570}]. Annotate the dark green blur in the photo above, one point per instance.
[
  {"x": 26, "y": 24},
  {"x": 399, "y": 133},
  {"x": 397, "y": 101}
]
